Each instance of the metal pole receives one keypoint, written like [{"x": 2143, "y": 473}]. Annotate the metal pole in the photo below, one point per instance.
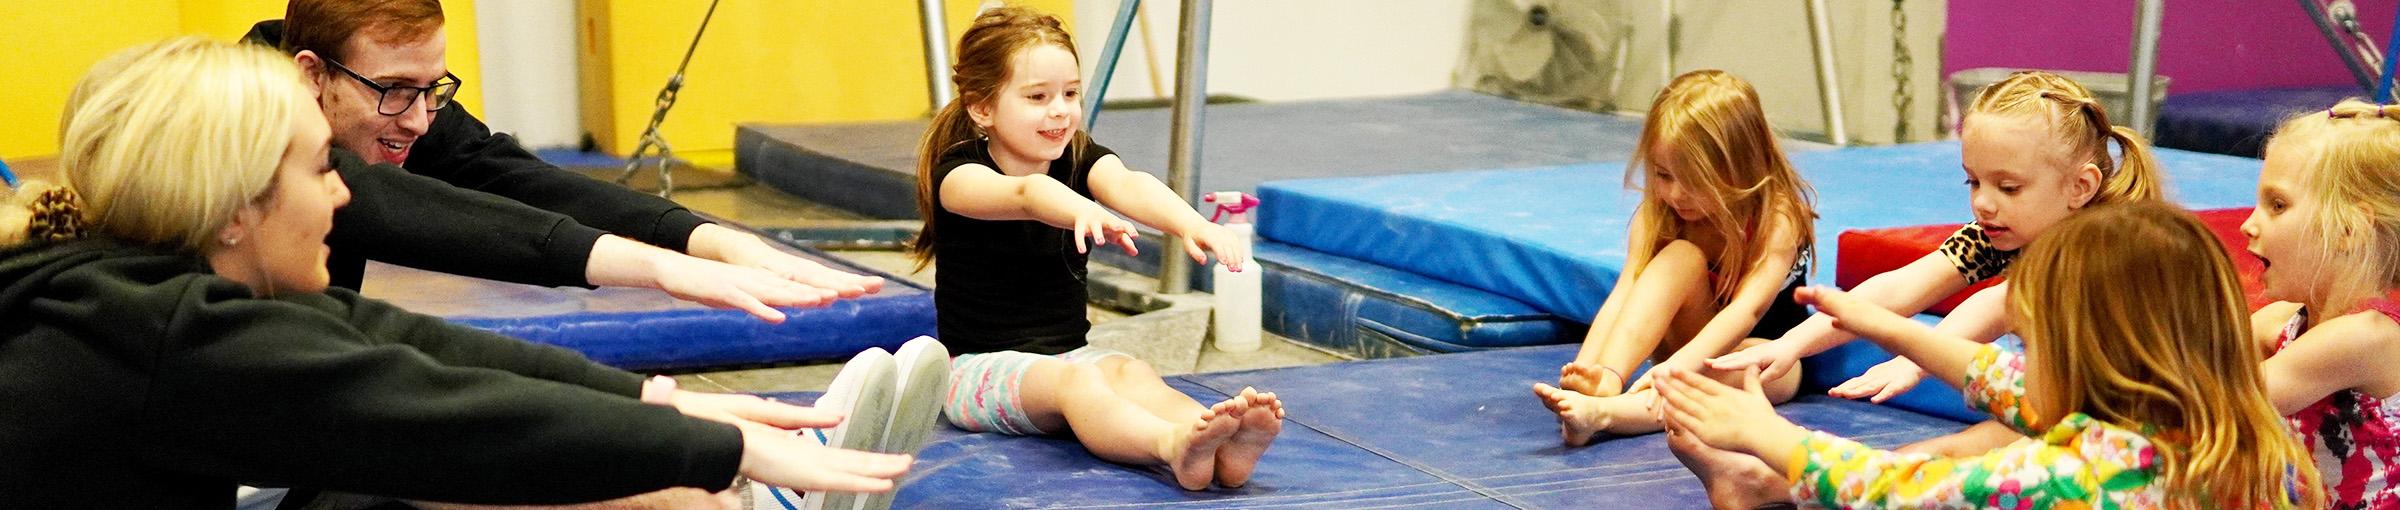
[
  {"x": 1829, "y": 87},
  {"x": 1109, "y": 54},
  {"x": 1183, "y": 136},
  {"x": 2146, "y": 17},
  {"x": 1666, "y": 48},
  {"x": 937, "y": 53}
]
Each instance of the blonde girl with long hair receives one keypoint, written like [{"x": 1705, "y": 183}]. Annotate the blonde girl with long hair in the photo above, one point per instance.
[
  {"x": 1014, "y": 194},
  {"x": 2139, "y": 382},
  {"x": 1721, "y": 237},
  {"x": 2327, "y": 227}
]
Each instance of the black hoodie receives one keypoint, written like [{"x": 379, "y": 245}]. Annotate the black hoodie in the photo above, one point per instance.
[
  {"x": 131, "y": 377},
  {"x": 472, "y": 202}
]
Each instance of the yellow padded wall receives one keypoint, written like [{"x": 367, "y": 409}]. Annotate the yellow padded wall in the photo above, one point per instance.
[
  {"x": 51, "y": 43},
  {"x": 761, "y": 61}
]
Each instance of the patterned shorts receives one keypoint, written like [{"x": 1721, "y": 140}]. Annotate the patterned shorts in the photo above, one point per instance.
[{"x": 985, "y": 388}]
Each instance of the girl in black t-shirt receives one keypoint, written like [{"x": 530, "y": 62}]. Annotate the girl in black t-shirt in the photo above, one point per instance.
[{"x": 1012, "y": 193}]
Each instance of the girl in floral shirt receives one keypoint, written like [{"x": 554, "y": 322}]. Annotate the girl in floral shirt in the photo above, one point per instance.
[{"x": 2138, "y": 388}]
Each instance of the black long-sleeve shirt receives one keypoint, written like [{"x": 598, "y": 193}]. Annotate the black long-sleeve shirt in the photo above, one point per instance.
[
  {"x": 136, "y": 379},
  {"x": 481, "y": 205}
]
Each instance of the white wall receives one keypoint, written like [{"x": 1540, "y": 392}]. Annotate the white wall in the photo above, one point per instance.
[
  {"x": 528, "y": 52},
  {"x": 1278, "y": 50}
]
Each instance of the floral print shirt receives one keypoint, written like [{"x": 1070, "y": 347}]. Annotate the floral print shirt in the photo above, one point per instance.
[{"x": 2076, "y": 463}]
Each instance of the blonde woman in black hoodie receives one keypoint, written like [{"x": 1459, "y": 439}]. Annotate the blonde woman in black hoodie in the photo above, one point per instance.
[{"x": 168, "y": 332}]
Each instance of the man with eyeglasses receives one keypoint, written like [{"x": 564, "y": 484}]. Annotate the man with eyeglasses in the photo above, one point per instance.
[{"x": 468, "y": 201}]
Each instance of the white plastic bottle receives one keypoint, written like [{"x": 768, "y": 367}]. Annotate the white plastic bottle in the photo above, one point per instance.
[{"x": 1238, "y": 324}]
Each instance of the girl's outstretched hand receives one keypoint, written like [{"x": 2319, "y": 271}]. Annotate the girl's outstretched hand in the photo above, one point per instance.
[
  {"x": 1230, "y": 247},
  {"x": 1856, "y": 315},
  {"x": 1721, "y": 416},
  {"x": 1773, "y": 359},
  {"x": 1881, "y": 382},
  {"x": 1102, "y": 227}
]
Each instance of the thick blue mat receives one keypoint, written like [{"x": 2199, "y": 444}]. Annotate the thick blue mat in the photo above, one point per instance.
[
  {"x": 2237, "y": 122},
  {"x": 648, "y": 330},
  {"x": 1371, "y": 311},
  {"x": 1554, "y": 237},
  {"x": 1450, "y": 431}
]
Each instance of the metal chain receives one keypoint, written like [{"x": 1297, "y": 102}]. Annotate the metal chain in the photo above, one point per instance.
[{"x": 1903, "y": 95}]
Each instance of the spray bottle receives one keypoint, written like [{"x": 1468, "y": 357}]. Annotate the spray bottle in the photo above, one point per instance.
[{"x": 1237, "y": 293}]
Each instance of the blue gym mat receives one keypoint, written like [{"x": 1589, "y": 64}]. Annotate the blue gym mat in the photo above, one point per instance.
[
  {"x": 1554, "y": 237},
  {"x": 648, "y": 330},
  {"x": 1451, "y": 431},
  {"x": 2237, "y": 122}
]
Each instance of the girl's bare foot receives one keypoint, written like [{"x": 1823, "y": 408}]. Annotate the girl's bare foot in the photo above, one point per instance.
[
  {"x": 1260, "y": 423},
  {"x": 1580, "y": 416},
  {"x": 1733, "y": 480},
  {"x": 1191, "y": 452},
  {"x": 1588, "y": 379}
]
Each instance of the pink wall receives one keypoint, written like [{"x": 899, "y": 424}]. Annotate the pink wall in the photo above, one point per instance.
[{"x": 2204, "y": 45}]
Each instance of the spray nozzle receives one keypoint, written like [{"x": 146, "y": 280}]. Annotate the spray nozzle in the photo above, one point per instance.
[{"x": 1231, "y": 202}]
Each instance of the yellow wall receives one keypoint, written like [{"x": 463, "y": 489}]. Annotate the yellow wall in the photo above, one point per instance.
[
  {"x": 51, "y": 43},
  {"x": 761, "y": 61}
]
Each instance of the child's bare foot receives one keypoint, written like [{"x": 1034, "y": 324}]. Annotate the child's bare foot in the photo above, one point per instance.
[
  {"x": 1260, "y": 423},
  {"x": 1192, "y": 452},
  {"x": 1586, "y": 379},
  {"x": 1733, "y": 480},
  {"x": 1580, "y": 416}
]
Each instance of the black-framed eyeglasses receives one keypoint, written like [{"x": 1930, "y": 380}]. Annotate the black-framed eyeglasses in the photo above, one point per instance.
[{"x": 388, "y": 103}]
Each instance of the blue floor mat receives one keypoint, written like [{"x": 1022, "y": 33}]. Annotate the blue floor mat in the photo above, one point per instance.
[{"x": 1448, "y": 431}]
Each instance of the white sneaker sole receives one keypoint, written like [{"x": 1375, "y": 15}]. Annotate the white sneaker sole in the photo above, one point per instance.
[
  {"x": 864, "y": 392},
  {"x": 924, "y": 373}
]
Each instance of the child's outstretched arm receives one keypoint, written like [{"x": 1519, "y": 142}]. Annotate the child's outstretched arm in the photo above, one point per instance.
[
  {"x": 1942, "y": 356},
  {"x": 2345, "y": 352},
  {"x": 1907, "y": 291},
  {"x": 1141, "y": 197},
  {"x": 1982, "y": 318},
  {"x": 979, "y": 192}
]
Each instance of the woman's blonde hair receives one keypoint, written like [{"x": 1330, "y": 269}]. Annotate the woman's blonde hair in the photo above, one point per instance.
[
  {"x": 1710, "y": 123},
  {"x": 2349, "y": 153},
  {"x": 2152, "y": 331},
  {"x": 161, "y": 144},
  {"x": 2080, "y": 122},
  {"x": 990, "y": 45}
]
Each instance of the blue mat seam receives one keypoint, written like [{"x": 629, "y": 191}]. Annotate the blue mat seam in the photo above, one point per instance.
[{"x": 1445, "y": 476}]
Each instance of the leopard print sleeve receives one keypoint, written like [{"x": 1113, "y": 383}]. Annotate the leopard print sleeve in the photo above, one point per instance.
[{"x": 1970, "y": 251}]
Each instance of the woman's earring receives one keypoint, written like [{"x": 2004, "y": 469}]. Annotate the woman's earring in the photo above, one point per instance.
[{"x": 230, "y": 240}]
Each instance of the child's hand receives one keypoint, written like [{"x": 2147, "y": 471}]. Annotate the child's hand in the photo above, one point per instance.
[
  {"x": 1850, "y": 313},
  {"x": 1102, "y": 227},
  {"x": 1720, "y": 416},
  {"x": 1229, "y": 246},
  {"x": 1773, "y": 359},
  {"x": 1882, "y": 382}
]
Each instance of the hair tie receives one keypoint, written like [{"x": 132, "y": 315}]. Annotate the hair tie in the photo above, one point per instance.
[{"x": 57, "y": 215}]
